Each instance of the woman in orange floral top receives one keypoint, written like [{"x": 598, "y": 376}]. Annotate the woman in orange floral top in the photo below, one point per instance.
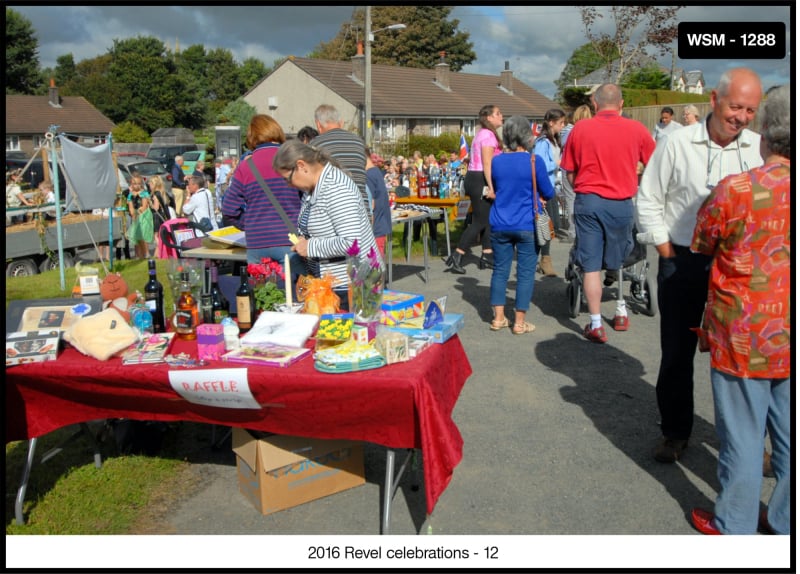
[{"x": 745, "y": 224}]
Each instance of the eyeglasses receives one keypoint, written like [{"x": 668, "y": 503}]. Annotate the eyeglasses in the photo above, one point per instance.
[{"x": 289, "y": 177}]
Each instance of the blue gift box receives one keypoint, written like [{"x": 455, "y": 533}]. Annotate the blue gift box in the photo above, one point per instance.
[{"x": 451, "y": 324}]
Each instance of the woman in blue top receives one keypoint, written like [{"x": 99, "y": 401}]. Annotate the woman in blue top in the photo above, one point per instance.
[
  {"x": 512, "y": 221},
  {"x": 548, "y": 148}
]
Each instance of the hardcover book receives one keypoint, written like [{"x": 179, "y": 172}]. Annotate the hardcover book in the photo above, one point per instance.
[
  {"x": 151, "y": 349},
  {"x": 267, "y": 354}
]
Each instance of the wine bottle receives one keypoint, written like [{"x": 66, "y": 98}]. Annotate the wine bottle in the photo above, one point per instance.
[
  {"x": 186, "y": 317},
  {"x": 218, "y": 301},
  {"x": 245, "y": 302},
  {"x": 154, "y": 298}
]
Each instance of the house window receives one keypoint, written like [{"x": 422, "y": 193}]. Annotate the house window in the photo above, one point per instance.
[
  {"x": 12, "y": 143},
  {"x": 469, "y": 127},
  {"x": 38, "y": 141},
  {"x": 386, "y": 129},
  {"x": 99, "y": 139},
  {"x": 436, "y": 127}
]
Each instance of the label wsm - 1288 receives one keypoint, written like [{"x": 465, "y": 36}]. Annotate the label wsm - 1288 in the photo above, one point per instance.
[{"x": 731, "y": 40}]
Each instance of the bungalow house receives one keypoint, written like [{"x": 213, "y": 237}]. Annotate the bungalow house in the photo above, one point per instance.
[
  {"x": 404, "y": 100},
  {"x": 28, "y": 118},
  {"x": 691, "y": 82}
]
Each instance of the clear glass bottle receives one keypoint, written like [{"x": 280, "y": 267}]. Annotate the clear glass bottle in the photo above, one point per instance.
[
  {"x": 186, "y": 317},
  {"x": 154, "y": 298}
]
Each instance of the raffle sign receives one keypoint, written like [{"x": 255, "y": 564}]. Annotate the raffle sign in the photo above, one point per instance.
[{"x": 223, "y": 388}]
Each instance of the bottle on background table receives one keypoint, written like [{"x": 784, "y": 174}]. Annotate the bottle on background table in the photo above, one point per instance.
[{"x": 245, "y": 302}]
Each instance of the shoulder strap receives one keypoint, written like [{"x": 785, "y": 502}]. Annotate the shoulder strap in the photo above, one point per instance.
[
  {"x": 535, "y": 190},
  {"x": 278, "y": 207}
]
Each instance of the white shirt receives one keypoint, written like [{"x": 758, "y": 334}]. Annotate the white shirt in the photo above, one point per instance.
[
  {"x": 677, "y": 178},
  {"x": 201, "y": 205},
  {"x": 663, "y": 130}
]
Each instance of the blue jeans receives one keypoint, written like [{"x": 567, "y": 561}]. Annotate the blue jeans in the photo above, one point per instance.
[
  {"x": 504, "y": 243},
  {"x": 744, "y": 409}
]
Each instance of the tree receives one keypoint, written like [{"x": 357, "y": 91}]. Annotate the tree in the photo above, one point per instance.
[
  {"x": 584, "y": 60},
  {"x": 251, "y": 71},
  {"x": 650, "y": 77},
  {"x": 65, "y": 69},
  {"x": 237, "y": 113},
  {"x": 22, "y": 55},
  {"x": 428, "y": 32},
  {"x": 635, "y": 29},
  {"x": 129, "y": 132}
]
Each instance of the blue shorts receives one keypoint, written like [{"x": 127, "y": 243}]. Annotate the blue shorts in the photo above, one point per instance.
[{"x": 603, "y": 230}]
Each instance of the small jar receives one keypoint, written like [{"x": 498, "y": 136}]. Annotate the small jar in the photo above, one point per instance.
[{"x": 230, "y": 331}]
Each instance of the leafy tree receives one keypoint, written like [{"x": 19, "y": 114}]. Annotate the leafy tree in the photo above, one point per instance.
[
  {"x": 129, "y": 132},
  {"x": 222, "y": 79},
  {"x": 65, "y": 69},
  {"x": 635, "y": 29},
  {"x": 584, "y": 60},
  {"x": 649, "y": 77},
  {"x": 428, "y": 32},
  {"x": 237, "y": 113},
  {"x": 251, "y": 71},
  {"x": 22, "y": 55}
]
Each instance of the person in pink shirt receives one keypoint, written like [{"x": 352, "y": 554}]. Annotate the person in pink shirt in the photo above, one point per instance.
[{"x": 485, "y": 146}]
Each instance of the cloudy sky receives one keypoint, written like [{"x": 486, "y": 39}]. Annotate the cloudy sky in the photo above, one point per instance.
[{"x": 537, "y": 41}]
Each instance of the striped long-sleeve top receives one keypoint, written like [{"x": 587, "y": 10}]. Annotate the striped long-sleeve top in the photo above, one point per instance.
[
  {"x": 246, "y": 203},
  {"x": 332, "y": 217},
  {"x": 348, "y": 150}
]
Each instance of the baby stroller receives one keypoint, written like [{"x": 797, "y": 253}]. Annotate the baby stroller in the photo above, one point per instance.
[{"x": 635, "y": 269}]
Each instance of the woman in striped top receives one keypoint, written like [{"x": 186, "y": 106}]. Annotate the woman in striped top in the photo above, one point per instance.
[{"x": 332, "y": 215}]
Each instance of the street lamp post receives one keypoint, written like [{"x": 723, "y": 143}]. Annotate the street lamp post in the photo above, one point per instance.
[{"x": 370, "y": 36}]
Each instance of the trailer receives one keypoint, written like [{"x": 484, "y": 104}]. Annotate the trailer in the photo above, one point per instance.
[{"x": 25, "y": 246}]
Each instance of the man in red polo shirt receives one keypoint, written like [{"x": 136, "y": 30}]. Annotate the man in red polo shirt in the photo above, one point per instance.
[{"x": 600, "y": 159}]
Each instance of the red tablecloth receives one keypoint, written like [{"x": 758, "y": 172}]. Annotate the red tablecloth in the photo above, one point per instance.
[{"x": 405, "y": 405}]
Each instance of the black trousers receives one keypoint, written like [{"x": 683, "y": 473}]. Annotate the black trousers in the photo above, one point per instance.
[
  {"x": 682, "y": 294},
  {"x": 473, "y": 187}
]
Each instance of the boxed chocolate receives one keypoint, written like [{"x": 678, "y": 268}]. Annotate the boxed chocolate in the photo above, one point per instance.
[{"x": 399, "y": 306}]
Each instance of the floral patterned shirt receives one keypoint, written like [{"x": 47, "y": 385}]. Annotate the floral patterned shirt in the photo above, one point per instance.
[{"x": 745, "y": 224}]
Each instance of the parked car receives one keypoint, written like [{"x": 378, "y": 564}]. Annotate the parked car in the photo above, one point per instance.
[
  {"x": 165, "y": 153},
  {"x": 147, "y": 168},
  {"x": 190, "y": 159},
  {"x": 34, "y": 175}
]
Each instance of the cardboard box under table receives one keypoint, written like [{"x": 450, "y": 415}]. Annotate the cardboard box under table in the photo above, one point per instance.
[{"x": 276, "y": 472}]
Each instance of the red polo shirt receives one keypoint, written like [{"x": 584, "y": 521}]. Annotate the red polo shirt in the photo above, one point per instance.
[{"x": 603, "y": 151}]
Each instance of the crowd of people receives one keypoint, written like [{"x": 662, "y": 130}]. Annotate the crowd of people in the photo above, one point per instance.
[{"x": 711, "y": 196}]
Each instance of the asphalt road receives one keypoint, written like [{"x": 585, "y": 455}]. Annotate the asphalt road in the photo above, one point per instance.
[{"x": 558, "y": 434}]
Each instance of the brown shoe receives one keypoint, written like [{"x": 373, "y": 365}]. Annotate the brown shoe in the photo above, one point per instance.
[
  {"x": 670, "y": 449},
  {"x": 766, "y": 469}
]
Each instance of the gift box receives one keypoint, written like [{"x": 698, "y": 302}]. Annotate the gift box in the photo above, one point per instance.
[
  {"x": 440, "y": 332},
  {"x": 335, "y": 326},
  {"x": 398, "y": 306},
  {"x": 393, "y": 346},
  {"x": 210, "y": 341}
]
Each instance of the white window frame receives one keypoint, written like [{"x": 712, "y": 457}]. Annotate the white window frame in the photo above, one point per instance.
[
  {"x": 469, "y": 127},
  {"x": 12, "y": 143},
  {"x": 38, "y": 141},
  {"x": 436, "y": 127}
]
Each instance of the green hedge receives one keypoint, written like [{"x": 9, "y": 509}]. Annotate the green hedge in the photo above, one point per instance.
[
  {"x": 437, "y": 145},
  {"x": 635, "y": 98}
]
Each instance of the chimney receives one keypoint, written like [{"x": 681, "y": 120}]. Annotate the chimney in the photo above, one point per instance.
[
  {"x": 507, "y": 80},
  {"x": 359, "y": 63},
  {"x": 54, "y": 100},
  {"x": 443, "y": 71}
]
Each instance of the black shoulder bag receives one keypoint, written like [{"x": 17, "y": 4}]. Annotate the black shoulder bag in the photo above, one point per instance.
[{"x": 278, "y": 207}]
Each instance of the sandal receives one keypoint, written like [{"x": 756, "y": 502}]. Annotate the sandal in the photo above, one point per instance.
[
  {"x": 525, "y": 327},
  {"x": 495, "y": 326}
]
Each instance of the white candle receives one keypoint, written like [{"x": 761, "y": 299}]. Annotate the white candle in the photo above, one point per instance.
[{"x": 287, "y": 279}]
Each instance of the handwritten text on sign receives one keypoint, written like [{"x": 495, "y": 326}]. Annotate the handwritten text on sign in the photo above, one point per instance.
[{"x": 223, "y": 388}]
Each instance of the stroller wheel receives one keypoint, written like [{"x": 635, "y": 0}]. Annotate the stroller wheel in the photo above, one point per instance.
[
  {"x": 650, "y": 297},
  {"x": 574, "y": 297}
]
